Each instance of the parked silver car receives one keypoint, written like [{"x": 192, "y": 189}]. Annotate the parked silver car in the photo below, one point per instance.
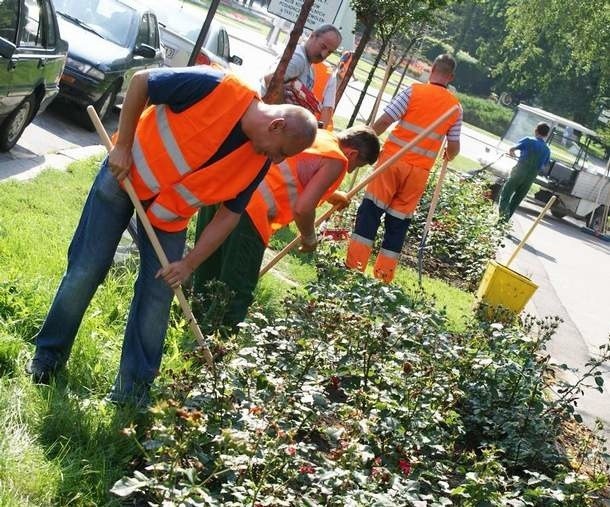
[{"x": 180, "y": 24}]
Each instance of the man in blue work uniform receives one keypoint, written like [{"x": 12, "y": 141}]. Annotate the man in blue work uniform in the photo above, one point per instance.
[{"x": 534, "y": 155}]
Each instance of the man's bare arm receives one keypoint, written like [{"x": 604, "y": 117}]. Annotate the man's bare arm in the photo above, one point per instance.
[
  {"x": 382, "y": 123},
  {"x": 453, "y": 148},
  {"x": 214, "y": 234},
  {"x": 120, "y": 158},
  {"x": 305, "y": 209}
]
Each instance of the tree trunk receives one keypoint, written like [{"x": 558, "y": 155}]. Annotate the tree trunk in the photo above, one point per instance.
[
  {"x": 275, "y": 90},
  {"x": 364, "y": 40},
  {"x": 386, "y": 77},
  {"x": 369, "y": 79},
  {"x": 402, "y": 77}
]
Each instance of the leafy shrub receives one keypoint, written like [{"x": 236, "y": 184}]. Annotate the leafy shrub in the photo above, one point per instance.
[
  {"x": 486, "y": 114},
  {"x": 358, "y": 396},
  {"x": 464, "y": 234},
  {"x": 471, "y": 76}
]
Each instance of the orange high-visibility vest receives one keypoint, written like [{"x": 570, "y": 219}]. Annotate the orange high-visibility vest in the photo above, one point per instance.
[
  {"x": 322, "y": 73},
  {"x": 321, "y": 76},
  {"x": 426, "y": 104},
  {"x": 169, "y": 150},
  {"x": 273, "y": 203}
]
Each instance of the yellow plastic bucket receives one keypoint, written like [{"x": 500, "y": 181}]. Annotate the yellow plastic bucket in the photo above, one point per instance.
[{"x": 503, "y": 287}]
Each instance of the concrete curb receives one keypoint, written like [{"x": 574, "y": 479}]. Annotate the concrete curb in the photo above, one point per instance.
[{"x": 22, "y": 169}]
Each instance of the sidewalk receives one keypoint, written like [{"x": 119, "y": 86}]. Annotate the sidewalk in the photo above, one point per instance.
[
  {"x": 572, "y": 271},
  {"x": 26, "y": 168}
]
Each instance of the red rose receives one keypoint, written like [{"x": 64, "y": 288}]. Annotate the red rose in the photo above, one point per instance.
[{"x": 405, "y": 466}]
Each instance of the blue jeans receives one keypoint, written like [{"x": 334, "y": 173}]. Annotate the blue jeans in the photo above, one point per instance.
[{"x": 104, "y": 219}]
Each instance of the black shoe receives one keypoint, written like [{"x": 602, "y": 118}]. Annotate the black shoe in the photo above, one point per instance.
[
  {"x": 140, "y": 401},
  {"x": 41, "y": 371}
]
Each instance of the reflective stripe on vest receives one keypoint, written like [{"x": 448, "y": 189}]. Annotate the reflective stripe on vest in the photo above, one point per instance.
[
  {"x": 426, "y": 103},
  {"x": 169, "y": 141},
  {"x": 143, "y": 168},
  {"x": 274, "y": 201},
  {"x": 171, "y": 151},
  {"x": 415, "y": 149},
  {"x": 269, "y": 200},
  {"x": 162, "y": 213},
  {"x": 290, "y": 184},
  {"x": 188, "y": 196},
  {"x": 418, "y": 130}
]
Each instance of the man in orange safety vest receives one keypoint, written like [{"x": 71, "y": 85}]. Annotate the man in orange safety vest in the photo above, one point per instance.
[
  {"x": 291, "y": 191},
  {"x": 206, "y": 138},
  {"x": 396, "y": 192}
]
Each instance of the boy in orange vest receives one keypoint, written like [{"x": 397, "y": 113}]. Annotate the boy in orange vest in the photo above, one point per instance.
[
  {"x": 291, "y": 191},
  {"x": 206, "y": 138},
  {"x": 396, "y": 192}
]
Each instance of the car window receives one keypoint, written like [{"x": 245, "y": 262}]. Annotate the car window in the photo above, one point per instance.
[
  {"x": 142, "y": 37},
  {"x": 225, "y": 53},
  {"x": 32, "y": 20},
  {"x": 8, "y": 19},
  {"x": 51, "y": 38},
  {"x": 154, "y": 31},
  {"x": 220, "y": 44},
  {"x": 110, "y": 19}
]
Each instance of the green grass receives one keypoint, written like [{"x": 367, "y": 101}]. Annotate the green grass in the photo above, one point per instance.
[
  {"x": 60, "y": 444},
  {"x": 457, "y": 304},
  {"x": 462, "y": 163}
]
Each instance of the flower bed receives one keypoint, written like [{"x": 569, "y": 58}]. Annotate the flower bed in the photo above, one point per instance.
[{"x": 359, "y": 396}]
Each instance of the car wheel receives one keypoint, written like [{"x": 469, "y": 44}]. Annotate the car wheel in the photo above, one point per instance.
[
  {"x": 15, "y": 124},
  {"x": 102, "y": 108},
  {"x": 558, "y": 213},
  {"x": 106, "y": 101}
]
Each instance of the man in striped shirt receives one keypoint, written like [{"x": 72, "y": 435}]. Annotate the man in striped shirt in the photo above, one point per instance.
[{"x": 396, "y": 192}]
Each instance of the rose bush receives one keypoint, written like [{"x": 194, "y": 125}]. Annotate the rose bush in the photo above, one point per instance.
[{"x": 360, "y": 396}]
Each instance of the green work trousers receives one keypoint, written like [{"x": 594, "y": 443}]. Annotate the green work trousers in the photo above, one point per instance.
[
  {"x": 236, "y": 263},
  {"x": 515, "y": 189}
]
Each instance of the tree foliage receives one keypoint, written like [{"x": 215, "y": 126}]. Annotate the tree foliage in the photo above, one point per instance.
[
  {"x": 546, "y": 52},
  {"x": 559, "y": 52}
]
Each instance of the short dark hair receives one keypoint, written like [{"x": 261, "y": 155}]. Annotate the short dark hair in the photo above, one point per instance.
[
  {"x": 543, "y": 129},
  {"x": 445, "y": 64},
  {"x": 364, "y": 140},
  {"x": 321, "y": 30}
]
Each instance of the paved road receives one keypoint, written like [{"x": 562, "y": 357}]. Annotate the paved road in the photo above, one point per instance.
[
  {"x": 572, "y": 271},
  {"x": 54, "y": 138}
]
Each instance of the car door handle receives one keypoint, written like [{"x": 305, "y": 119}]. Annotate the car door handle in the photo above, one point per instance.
[{"x": 41, "y": 63}]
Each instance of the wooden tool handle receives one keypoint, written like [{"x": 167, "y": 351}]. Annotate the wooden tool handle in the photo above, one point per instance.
[
  {"x": 550, "y": 202},
  {"x": 152, "y": 236}
]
